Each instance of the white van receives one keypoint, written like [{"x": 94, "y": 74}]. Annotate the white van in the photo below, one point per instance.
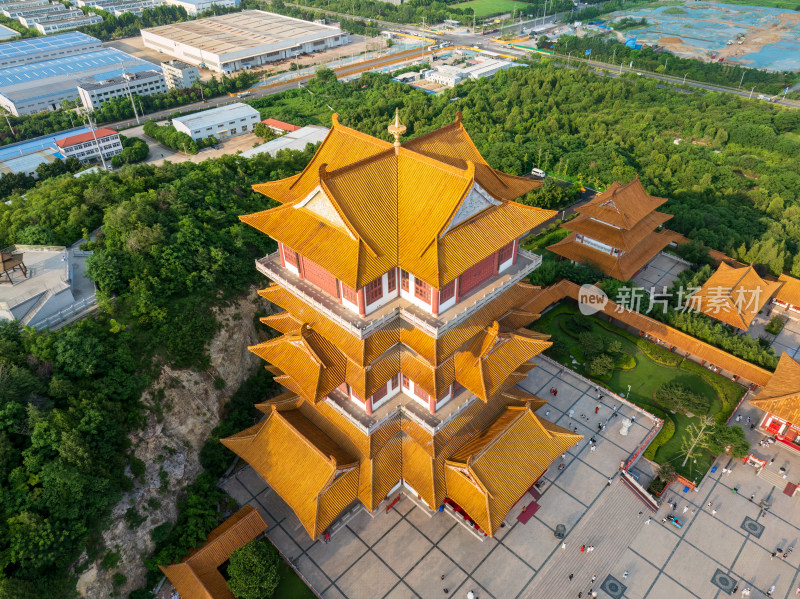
[{"x": 537, "y": 172}]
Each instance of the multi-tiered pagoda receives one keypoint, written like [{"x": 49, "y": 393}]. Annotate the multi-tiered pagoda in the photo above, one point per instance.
[
  {"x": 403, "y": 332},
  {"x": 616, "y": 231}
]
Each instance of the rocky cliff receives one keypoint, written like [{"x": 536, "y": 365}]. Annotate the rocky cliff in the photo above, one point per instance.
[{"x": 188, "y": 404}]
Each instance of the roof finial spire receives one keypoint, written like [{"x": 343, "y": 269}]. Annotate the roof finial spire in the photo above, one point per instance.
[{"x": 397, "y": 128}]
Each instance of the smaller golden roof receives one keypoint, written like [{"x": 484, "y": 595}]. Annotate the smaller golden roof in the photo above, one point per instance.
[
  {"x": 493, "y": 356},
  {"x": 733, "y": 295},
  {"x": 621, "y": 205},
  {"x": 494, "y": 469},
  {"x": 197, "y": 576},
  {"x": 286, "y": 444},
  {"x": 781, "y": 396},
  {"x": 789, "y": 293}
]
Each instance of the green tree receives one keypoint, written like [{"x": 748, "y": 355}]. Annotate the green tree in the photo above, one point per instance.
[
  {"x": 601, "y": 366},
  {"x": 253, "y": 571}
]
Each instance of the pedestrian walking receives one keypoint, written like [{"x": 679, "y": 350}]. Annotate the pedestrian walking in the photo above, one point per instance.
[
  {"x": 610, "y": 481},
  {"x": 736, "y": 588},
  {"x": 563, "y": 546},
  {"x": 594, "y": 448},
  {"x": 599, "y": 427},
  {"x": 596, "y": 409},
  {"x": 470, "y": 595},
  {"x": 640, "y": 515},
  {"x": 594, "y": 577},
  {"x": 442, "y": 576},
  {"x": 752, "y": 497},
  {"x": 570, "y": 577},
  {"x": 771, "y": 590},
  {"x": 713, "y": 512},
  {"x": 625, "y": 574},
  {"x": 685, "y": 508},
  {"x": 590, "y": 548},
  {"x": 772, "y": 557},
  {"x": 571, "y": 412},
  {"x": 647, "y": 521},
  {"x": 583, "y": 548}
]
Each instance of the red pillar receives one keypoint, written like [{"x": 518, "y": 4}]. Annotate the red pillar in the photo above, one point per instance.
[
  {"x": 458, "y": 289},
  {"x": 496, "y": 263},
  {"x": 368, "y": 406},
  {"x": 435, "y": 301},
  {"x": 300, "y": 266},
  {"x": 339, "y": 290},
  {"x": 515, "y": 252},
  {"x": 432, "y": 404},
  {"x": 280, "y": 251},
  {"x": 362, "y": 309}
]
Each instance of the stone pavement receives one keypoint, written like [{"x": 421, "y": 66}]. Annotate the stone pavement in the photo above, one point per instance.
[
  {"x": 661, "y": 272},
  {"x": 788, "y": 340},
  {"x": 405, "y": 551}
]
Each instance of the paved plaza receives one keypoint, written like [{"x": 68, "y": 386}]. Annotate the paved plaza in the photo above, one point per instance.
[
  {"x": 660, "y": 273},
  {"x": 788, "y": 340},
  {"x": 405, "y": 551}
]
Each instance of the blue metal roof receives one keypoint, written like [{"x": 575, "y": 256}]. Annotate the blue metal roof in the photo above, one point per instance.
[
  {"x": 77, "y": 64},
  {"x": 27, "y": 147},
  {"x": 48, "y": 42}
]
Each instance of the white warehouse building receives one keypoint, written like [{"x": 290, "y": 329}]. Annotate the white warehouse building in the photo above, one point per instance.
[
  {"x": 143, "y": 83},
  {"x": 222, "y": 122},
  {"x": 239, "y": 41}
]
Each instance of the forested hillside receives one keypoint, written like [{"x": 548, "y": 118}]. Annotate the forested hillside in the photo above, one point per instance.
[{"x": 171, "y": 246}]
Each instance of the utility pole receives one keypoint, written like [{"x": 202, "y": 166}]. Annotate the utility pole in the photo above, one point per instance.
[
  {"x": 751, "y": 93},
  {"x": 423, "y": 39},
  {"x": 130, "y": 96},
  {"x": 742, "y": 79},
  {"x": 96, "y": 143},
  {"x": 684, "y": 77}
]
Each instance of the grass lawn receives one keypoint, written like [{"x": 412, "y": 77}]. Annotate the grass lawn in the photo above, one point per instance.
[
  {"x": 485, "y": 8},
  {"x": 291, "y": 586},
  {"x": 655, "y": 366}
]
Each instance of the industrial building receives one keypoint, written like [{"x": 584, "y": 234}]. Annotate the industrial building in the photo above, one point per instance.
[
  {"x": 30, "y": 20},
  {"x": 24, "y": 9},
  {"x": 38, "y": 49},
  {"x": 238, "y": 41},
  {"x": 87, "y": 146},
  {"x": 179, "y": 74},
  {"x": 294, "y": 140},
  {"x": 479, "y": 68},
  {"x": 144, "y": 83},
  {"x": 27, "y": 164},
  {"x": 222, "y": 122},
  {"x": 6, "y": 33},
  {"x": 31, "y": 88},
  {"x": 195, "y": 7},
  {"x": 56, "y": 26},
  {"x": 118, "y": 7}
]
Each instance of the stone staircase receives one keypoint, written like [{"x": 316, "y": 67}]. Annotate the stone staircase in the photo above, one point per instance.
[
  {"x": 35, "y": 308},
  {"x": 773, "y": 478},
  {"x": 610, "y": 525}
]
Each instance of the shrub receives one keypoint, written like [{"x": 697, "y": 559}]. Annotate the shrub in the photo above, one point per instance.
[
  {"x": 138, "y": 466},
  {"x": 119, "y": 579},
  {"x": 253, "y": 571},
  {"x": 601, "y": 366},
  {"x": 678, "y": 397},
  {"x": 775, "y": 325},
  {"x": 591, "y": 344},
  {"x": 665, "y": 434},
  {"x": 578, "y": 324},
  {"x": 624, "y": 361}
]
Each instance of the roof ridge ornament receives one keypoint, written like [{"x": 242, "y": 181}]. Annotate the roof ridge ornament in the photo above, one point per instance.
[{"x": 397, "y": 128}]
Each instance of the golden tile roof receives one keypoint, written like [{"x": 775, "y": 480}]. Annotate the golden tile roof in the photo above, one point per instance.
[
  {"x": 435, "y": 351},
  {"x": 621, "y": 205},
  {"x": 197, "y": 576},
  {"x": 431, "y": 206},
  {"x": 493, "y": 356},
  {"x": 620, "y": 267},
  {"x": 625, "y": 239},
  {"x": 781, "y": 395},
  {"x": 286, "y": 444},
  {"x": 494, "y": 469},
  {"x": 313, "y": 362},
  {"x": 734, "y": 295},
  {"x": 789, "y": 292}
]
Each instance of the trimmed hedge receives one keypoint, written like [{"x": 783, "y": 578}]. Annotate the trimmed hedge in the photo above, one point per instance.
[
  {"x": 729, "y": 392},
  {"x": 665, "y": 434}
]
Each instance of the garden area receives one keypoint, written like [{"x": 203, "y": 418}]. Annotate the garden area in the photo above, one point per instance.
[{"x": 693, "y": 401}]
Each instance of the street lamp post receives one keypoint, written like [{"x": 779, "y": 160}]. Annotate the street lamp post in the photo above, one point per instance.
[
  {"x": 751, "y": 93},
  {"x": 684, "y": 77},
  {"x": 96, "y": 142}
]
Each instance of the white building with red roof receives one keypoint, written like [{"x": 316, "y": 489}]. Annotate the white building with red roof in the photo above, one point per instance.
[{"x": 87, "y": 146}]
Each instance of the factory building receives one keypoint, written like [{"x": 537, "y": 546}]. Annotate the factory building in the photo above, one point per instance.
[
  {"x": 222, "y": 122},
  {"x": 144, "y": 83},
  {"x": 195, "y": 7},
  {"x": 179, "y": 74},
  {"x": 38, "y": 49},
  {"x": 239, "y": 41},
  {"x": 34, "y": 87}
]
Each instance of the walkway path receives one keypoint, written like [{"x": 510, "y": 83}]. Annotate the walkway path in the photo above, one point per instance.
[{"x": 610, "y": 525}]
